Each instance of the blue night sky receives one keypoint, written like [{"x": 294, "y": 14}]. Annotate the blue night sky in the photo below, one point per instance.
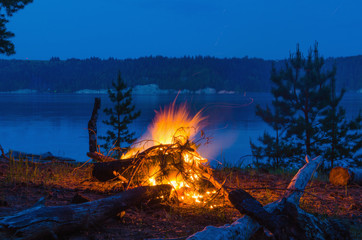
[{"x": 266, "y": 29}]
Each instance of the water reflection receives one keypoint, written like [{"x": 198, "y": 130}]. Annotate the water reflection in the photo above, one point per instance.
[{"x": 39, "y": 123}]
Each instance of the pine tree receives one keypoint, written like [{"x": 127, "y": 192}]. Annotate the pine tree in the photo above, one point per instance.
[
  {"x": 342, "y": 138},
  {"x": 120, "y": 116},
  {"x": 7, "y": 8},
  {"x": 307, "y": 96},
  {"x": 275, "y": 148},
  {"x": 301, "y": 93}
]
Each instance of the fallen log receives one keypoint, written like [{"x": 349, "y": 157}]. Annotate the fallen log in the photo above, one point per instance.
[
  {"x": 282, "y": 224},
  {"x": 344, "y": 176},
  {"x": 291, "y": 222},
  {"x": 41, "y": 222}
]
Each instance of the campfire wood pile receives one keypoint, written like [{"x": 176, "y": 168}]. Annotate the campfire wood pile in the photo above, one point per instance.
[
  {"x": 176, "y": 163},
  {"x": 169, "y": 162}
]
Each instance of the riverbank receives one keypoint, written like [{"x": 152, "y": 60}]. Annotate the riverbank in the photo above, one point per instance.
[{"x": 22, "y": 185}]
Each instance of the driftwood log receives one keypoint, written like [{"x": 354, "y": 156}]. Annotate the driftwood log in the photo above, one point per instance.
[
  {"x": 92, "y": 126},
  {"x": 283, "y": 218},
  {"x": 281, "y": 224},
  {"x": 41, "y": 222},
  {"x": 344, "y": 176}
]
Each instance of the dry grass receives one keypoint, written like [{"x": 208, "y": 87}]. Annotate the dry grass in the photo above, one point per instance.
[{"x": 47, "y": 174}]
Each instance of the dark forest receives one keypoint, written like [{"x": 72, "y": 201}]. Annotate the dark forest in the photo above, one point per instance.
[{"x": 192, "y": 73}]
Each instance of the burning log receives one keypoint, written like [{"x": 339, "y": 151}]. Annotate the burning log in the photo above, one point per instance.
[
  {"x": 344, "y": 176},
  {"x": 41, "y": 222},
  {"x": 283, "y": 217},
  {"x": 175, "y": 164},
  {"x": 106, "y": 167}
]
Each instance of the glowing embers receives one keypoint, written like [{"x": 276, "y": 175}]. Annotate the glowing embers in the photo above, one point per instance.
[
  {"x": 179, "y": 166},
  {"x": 167, "y": 154}
]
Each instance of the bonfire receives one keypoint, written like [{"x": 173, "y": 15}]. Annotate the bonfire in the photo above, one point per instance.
[{"x": 168, "y": 154}]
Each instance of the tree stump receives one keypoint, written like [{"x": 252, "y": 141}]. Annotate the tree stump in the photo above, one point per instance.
[{"x": 343, "y": 176}]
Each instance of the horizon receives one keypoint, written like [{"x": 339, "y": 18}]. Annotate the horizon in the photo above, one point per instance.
[
  {"x": 154, "y": 56},
  {"x": 140, "y": 28}
]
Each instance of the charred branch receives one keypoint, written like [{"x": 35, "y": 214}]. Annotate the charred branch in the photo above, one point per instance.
[{"x": 92, "y": 126}]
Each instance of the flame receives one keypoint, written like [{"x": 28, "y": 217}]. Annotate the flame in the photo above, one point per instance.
[
  {"x": 173, "y": 127},
  {"x": 174, "y": 123},
  {"x": 152, "y": 181},
  {"x": 170, "y": 125}
]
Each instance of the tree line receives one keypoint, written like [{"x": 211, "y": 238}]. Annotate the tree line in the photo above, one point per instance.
[{"x": 193, "y": 73}]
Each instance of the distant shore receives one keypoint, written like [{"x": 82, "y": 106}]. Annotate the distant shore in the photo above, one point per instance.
[{"x": 139, "y": 90}]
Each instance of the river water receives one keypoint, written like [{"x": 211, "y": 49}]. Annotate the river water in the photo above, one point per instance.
[{"x": 57, "y": 123}]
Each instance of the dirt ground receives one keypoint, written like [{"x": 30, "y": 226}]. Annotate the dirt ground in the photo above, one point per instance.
[{"x": 22, "y": 186}]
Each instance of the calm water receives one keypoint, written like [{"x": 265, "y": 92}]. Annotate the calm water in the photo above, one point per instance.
[{"x": 38, "y": 123}]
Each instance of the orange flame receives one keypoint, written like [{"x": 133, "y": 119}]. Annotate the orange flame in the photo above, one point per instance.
[
  {"x": 174, "y": 125},
  {"x": 170, "y": 125}
]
